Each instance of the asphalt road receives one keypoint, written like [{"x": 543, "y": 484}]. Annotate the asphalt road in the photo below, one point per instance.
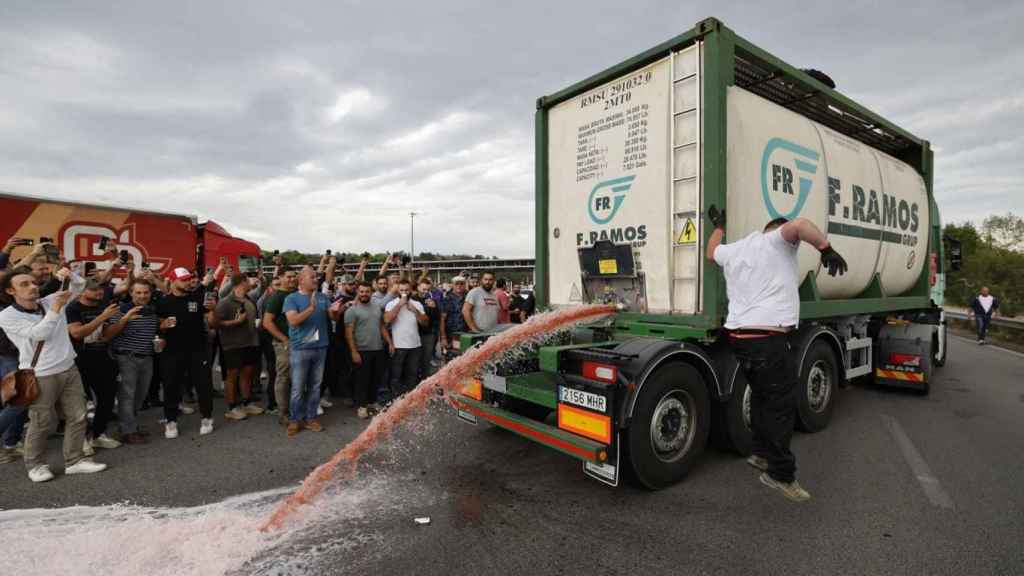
[{"x": 902, "y": 484}]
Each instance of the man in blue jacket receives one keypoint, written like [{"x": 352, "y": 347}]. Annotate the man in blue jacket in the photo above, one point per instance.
[{"x": 982, "y": 307}]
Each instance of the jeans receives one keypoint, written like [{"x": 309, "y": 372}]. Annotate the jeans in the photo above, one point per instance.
[
  {"x": 307, "y": 373},
  {"x": 136, "y": 375},
  {"x": 768, "y": 364},
  {"x": 429, "y": 342},
  {"x": 176, "y": 364},
  {"x": 405, "y": 367},
  {"x": 12, "y": 418},
  {"x": 982, "y": 321},
  {"x": 64, "y": 390},
  {"x": 367, "y": 375},
  {"x": 99, "y": 374}
]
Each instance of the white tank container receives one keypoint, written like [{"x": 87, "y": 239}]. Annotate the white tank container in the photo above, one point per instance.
[{"x": 873, "y": 207}]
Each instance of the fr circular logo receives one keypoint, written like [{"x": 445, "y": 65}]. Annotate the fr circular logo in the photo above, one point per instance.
[{"x": 787, "y": 173}]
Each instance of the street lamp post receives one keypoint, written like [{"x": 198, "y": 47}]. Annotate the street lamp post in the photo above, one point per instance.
[{"x": 412, "y": 238}]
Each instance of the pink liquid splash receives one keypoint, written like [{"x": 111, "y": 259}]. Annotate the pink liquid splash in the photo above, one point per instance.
[{"x": 449, "y": 379}]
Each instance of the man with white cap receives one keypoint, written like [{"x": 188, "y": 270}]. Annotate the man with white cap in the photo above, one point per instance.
[{"x": 181, "y": 315}]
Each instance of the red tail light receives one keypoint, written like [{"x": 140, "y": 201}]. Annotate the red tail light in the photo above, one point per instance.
[
  {"x": 602, "y": 372},
  {"x": 904, "y": 359}
]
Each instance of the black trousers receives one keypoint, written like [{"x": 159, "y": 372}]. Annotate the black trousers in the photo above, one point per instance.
[
  {"x": 99, "y": 374},
  {"x": 770, "y": 368},
  {"x": 177, "y": 365},
  {"x": 368, "y": 376}
]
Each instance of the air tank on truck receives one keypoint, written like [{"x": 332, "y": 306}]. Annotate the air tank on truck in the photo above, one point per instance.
[{"x": 628, "y": 162}]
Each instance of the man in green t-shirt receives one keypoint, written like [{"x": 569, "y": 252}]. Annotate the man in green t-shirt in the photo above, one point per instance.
[{"x": 276, "y": 324}]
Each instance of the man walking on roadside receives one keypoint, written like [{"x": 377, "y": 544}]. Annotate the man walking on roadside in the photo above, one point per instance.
[
  {"x": 181, "y": 314},
  {"x": 762, "y": 283},
  {"x": 308, "y": 332},
  {"x": 31, "y": 321},
  {"x": 982, "y": 308}
]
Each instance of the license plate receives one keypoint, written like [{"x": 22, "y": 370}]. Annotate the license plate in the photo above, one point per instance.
[
  {"x": 583, "y": 399},
  {"x": 495, "y": 382},
  {"x": 602, "y": 471},
  {"x": 466, "y": 416}
]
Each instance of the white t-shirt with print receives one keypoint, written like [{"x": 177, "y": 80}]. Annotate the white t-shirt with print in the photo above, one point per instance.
[
  {"x": 986, "y": 302},
  {"x": 761, "y": 280},
  {"x": 405, "y": 331}
]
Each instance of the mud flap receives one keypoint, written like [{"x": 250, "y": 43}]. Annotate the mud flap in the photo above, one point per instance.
[{"x": 607, "y": 472}]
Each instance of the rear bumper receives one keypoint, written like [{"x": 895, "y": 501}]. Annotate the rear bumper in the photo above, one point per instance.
[{"x": 565, "y": 442}]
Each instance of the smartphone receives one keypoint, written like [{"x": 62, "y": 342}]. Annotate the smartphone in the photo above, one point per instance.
[
  {"x": 145, "y": 264},
  {"x": 103, "y": 243},
  {"x": 45, "y": 240},
  {"x": 277, "y": 252},
  {"x": 328, "y": 252},
  {"x": 25, "y": 242},
  {"x": 65, "y": 284},
  {"x": 90, "y": 268}
]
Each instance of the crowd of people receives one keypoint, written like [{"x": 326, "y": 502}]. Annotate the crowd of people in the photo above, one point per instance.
[{"x": 107, "y": 343}]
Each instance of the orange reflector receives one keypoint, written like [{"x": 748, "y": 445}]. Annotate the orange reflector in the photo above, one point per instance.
[
  {"x": 474, "y": 389},
  {"x": 594, "y": 426},
  {"x": 897, "y": 375}
]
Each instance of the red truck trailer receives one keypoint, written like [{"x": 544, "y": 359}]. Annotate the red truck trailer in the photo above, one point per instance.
[{"x": 164, "y": 240}]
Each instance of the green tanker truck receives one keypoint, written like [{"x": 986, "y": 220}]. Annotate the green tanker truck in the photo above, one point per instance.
[{"x": 627, "y": 163}]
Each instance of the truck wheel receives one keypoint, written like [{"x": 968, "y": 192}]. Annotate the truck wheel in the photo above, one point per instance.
[
  {"x": 816, "y": 389},
  {"x": 939, "y": 347},
  {"x": 731, "y": 426},
  {"x": 670, "y": 426}
]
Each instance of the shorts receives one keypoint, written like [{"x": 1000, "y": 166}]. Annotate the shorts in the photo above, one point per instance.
[{"x": 241, "y": 357}]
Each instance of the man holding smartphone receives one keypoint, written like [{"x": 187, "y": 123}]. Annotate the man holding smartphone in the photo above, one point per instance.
[
  {"x": 132, "y": 332},
  {"x": 404, "y": 316}
]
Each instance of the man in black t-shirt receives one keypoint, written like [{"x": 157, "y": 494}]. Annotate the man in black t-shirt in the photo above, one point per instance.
[
  {"x": 86, "y": 317},
  {"x": 181, "y": 313}
]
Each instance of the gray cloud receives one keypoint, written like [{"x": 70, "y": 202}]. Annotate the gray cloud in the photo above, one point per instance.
[{"x": 319, "y": 124}]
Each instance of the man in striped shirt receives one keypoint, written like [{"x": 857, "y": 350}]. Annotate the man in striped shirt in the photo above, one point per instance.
[{"x": 131, "y": 332}]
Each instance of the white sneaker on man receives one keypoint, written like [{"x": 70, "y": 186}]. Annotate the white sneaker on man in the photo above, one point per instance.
[
  {"x": 319, "y": 410},
  {"x": 236, "y": 413},
  {"x": 40, "y": 473},
  {"x": 325, "y": 403},
  {"x": 104, "y": 441},
  {"x": 362, "y": 412},
  {"x": 253, "y": 410},
  {"x": 85, "y": 466},
  {"x": 206, "y": 426},
  {"x": 171, "y": 430},
  {"x": 186, "y": 409}
]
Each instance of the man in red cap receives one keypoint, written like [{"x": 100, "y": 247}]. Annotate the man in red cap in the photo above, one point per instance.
[{"x": 181, "y": 321}]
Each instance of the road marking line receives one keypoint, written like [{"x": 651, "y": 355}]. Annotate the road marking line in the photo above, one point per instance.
[
  {"x": 1000, "y": 348},
  {"x": 930, "y": 485}
]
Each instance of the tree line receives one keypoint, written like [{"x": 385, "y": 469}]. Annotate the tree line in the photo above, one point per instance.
[{"x": 993, "y": 256}]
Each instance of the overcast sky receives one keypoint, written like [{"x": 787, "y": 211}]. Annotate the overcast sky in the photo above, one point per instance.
[{"x": 315, "y": 125}]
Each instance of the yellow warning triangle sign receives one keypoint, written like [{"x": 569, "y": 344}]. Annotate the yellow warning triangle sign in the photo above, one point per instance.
[{"x": 689, "y": 233}]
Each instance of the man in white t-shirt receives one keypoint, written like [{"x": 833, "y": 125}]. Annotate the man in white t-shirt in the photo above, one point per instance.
[
  {"x": 404, "y": 316},
  {"x": 982, "y": 308},
  {"x": 762, "y": 283}
]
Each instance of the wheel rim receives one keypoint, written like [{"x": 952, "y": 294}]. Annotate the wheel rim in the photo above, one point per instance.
[
  {"x": 673, "y": 425},
  {"x": 819, "y": 386},
  {"x": 746, "y": 406}
]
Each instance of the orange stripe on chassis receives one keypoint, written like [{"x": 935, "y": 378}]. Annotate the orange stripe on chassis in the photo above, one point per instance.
[
  {"x": 567, "y": 413},
  {"x": 535, "y": 434},
  {"x": 897, "y": 375}
]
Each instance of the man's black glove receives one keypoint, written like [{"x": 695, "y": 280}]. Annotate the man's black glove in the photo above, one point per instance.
[
  {"x": 716, "y": 216},
  {"x": 833, "y": 261}
]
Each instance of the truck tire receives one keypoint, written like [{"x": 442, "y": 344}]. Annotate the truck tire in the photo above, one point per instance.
[
  {"x": 670, "y": 426},
  {"x": 939, "y": 346},
  {"x": 817, "y": 387},
  {"x": 730, "y": 426}
]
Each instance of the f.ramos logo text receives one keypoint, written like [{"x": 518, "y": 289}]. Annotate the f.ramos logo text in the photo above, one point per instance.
[{"x": 607, "y": 197}]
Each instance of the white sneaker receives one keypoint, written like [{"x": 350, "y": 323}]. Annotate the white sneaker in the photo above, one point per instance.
[
  {"x": 319, "y": 410},
  {"x": 325, "y": 403},
  {"x": 236, "y": 413},
  {"x": 87, "y": 448},
  {"x": 85, "y": 466},
  {"x": 253, "y": 410},
  {"x": 40, "y": 473},
  {"x": 206, "y": 426},
  {"x": 186, "y": 409},
  {"x": 362, "y": 412},
  {"x": 104, "y": 441},
  {"x": 171, "y": 430},
  {"x": 90, "y": 406}
]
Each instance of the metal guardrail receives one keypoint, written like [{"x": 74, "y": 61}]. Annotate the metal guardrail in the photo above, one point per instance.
[{"x": 996, "y": 321}]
